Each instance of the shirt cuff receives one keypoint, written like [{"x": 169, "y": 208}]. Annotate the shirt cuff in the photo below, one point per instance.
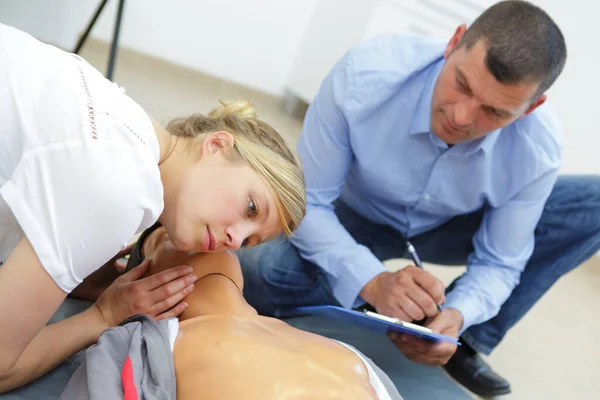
[
  {"x": 356, "y": 274},
  {"x": 468, "y": 306}
]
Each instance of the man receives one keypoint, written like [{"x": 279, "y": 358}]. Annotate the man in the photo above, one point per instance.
[{"x": 452, "y": 148}]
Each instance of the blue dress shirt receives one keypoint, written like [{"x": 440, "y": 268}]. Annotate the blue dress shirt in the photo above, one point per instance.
[{"x": 367, "y": 140}]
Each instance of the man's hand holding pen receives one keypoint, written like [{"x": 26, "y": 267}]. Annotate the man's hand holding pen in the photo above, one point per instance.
[
  {"x": 413, "y": 294},
  {"x": 408, "y": 294}
]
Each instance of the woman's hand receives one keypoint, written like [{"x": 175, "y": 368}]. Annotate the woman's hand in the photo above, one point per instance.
[{"x": 159, "y": 296}]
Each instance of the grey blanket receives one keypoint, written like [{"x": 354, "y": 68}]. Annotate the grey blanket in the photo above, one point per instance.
[{"x": 146, "y": 344}]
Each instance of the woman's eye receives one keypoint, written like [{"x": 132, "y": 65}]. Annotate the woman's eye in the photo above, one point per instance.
[
  {"x": 246, "y": 242},
  {"x": 252, "y": 208}
]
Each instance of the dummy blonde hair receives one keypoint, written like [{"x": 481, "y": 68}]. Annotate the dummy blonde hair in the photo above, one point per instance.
[{"x": 258, "y": 144}]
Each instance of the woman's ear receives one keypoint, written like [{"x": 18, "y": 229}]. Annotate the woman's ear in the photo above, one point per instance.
[{"x": 218, "y": 143}]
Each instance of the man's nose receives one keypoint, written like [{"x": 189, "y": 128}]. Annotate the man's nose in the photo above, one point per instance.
[{"x": 464, "y": 113}]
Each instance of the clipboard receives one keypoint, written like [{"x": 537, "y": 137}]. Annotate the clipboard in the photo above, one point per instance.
[{"x": 375, "y": 322}]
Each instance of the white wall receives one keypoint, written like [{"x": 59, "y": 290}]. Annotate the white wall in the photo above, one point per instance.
[
  {"x": 58, "y": 22},
  {"x": 255, "y": 42},
  {"x": 252, "y": 42},
  {"x": 337, "y": 25},
  {"x": 575, "y": 94},
  {"x": 331, "y": 30}
]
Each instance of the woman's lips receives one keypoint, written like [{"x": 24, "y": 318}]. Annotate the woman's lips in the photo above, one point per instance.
[
  {"x": 206, "y": 243},
  {"x": 211, "y": 243}
]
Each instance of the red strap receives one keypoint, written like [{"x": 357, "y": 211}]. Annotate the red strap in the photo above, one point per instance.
[{"x": 129, "y": 390}]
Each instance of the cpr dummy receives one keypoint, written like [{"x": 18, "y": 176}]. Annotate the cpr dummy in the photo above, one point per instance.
[{"x": 225, "y": 350}]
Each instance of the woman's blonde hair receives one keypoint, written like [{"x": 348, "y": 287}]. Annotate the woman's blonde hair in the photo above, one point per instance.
[{"x": 261, "y": 147}]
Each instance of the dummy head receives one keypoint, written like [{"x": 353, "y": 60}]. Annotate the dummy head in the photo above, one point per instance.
[
  {"x": 244, "y": 186},
  {"x": 496, "y": 71}
]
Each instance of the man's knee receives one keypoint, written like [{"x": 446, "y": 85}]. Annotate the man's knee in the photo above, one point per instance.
[
  {"x": 268, "y": 255},
  {"x": 573, "y": 204},
  {"x": 276, "y": 266},
  {"x": 277, "y": 279},
  {"x": 575, "y": 192}
]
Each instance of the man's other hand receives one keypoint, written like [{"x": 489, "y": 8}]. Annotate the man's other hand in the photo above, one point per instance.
[{"x": 448, "y": 322}]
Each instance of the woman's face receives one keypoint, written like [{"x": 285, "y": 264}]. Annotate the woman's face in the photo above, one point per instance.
[{"x": 221, "y": 203}]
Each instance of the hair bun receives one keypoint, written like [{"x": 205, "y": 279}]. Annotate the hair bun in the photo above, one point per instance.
[{"x": 240, "y": 108}]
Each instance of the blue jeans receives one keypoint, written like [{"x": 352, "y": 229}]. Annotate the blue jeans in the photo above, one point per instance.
[{"x": 277, "y": 279}]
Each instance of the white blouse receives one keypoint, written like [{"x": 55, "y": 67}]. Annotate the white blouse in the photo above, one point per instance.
[{"x": 78, "y": 160}]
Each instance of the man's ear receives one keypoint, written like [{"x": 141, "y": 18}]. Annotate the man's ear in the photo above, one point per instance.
[
  {"x": 538, "y": 102},
  {"x": 455, "y": 39},
  {"x": 218, "y": 143}
]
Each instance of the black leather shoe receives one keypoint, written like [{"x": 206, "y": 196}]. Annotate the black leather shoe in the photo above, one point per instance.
[{"x": 469, "y": 369}]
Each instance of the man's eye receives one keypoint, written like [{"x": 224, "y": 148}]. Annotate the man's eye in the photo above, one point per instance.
[
  {"x": 252, "y": 208},
  {"x": 493, "y": 113}
]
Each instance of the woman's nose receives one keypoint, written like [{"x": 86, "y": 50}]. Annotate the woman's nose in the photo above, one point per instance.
[
  {"x": 233, "y": 241},
  {"x": 237, "y": 234}
]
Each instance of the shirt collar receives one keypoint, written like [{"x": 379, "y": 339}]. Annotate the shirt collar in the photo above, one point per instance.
[
  {"x": 487, "y": 142},
  {"x": 421, "y": 122},
  {"x": 484, "y": 143}
]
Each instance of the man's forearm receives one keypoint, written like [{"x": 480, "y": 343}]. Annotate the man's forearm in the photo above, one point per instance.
[
  {"x": 324, "y": 241},
  {"x": 53, "y": 345}
]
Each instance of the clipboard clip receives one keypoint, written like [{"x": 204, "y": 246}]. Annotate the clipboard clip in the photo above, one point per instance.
[{"x": 397, "y": 321}]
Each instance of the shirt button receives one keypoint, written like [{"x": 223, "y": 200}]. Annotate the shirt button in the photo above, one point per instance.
[{"x": 427, "y": 197}]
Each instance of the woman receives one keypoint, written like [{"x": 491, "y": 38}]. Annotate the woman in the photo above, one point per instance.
[{"x": 83, "y": 169}]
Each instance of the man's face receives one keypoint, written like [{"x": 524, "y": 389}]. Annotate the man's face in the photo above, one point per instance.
[{"x": 468, "y": 102}]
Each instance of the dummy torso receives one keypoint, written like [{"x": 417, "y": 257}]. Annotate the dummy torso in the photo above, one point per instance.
[{"x": 225, "y": 350}]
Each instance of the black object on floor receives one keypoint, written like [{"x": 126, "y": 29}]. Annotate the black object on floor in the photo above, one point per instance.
[
  {"x": 469, "y": 369},
  {"x": 115, "y": 39}
]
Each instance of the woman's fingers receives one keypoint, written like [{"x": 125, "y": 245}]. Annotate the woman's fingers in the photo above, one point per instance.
[
  {"x": 160, "y": 294},
  {"x": 168, "y": 303},
  {"x": 137, "y": 272},
  {"x": 165, "y": 277},
  {"x": 173, "y": 312},
  {"x": 171, "y": 288}
]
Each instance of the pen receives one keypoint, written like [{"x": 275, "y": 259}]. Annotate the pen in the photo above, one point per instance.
[{"x": 415, "y": 257}]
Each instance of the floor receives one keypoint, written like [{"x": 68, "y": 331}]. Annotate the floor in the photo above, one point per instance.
[{"x": 553, "y": 353}]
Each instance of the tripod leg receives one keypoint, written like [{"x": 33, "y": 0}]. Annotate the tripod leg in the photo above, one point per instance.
[
  {"x": 83, "y": 37},
  {"x": 115, "y": 41}
]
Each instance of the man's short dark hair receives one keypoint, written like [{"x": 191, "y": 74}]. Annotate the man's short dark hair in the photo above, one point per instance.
[{"x": 524, "y": 45}]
